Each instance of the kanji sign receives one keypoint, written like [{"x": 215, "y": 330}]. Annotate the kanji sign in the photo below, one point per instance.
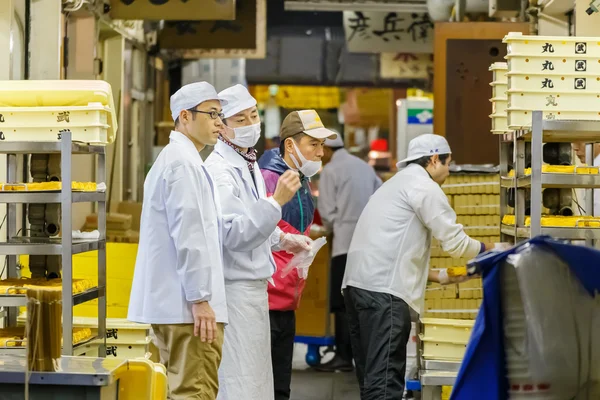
[
  {"x": 173, "y": 9},
  {"x": 380, "y": 32},
  {"x": 405, "y": 66}
]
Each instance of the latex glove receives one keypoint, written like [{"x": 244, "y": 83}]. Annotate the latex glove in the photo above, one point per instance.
[
  {"x": 503, "y": 246},
  {"x": 294, "y": 244},
  {"x": 444, "y": 279}
]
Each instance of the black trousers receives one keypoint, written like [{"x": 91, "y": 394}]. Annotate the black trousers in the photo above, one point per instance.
[
  {"x": 283, "y": 331},
  {"x": 379, "y": 330},
  {"x": 337, "y": 306}
]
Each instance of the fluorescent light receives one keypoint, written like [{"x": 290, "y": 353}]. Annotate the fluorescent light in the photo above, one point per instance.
[{"x": 418, "y": 7}]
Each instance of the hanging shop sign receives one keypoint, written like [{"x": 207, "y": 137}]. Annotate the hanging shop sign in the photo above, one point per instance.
[
  {"x": 173, "y": 9},
  {"x": 246, "y": 37},
  {"x": 405, "y": 66},
  {"x": 237, "y": 34},
  {"x": 377, "y": 32}
]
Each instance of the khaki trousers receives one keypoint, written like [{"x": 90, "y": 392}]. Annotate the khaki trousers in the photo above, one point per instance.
[{"x": 192, "y": 366}]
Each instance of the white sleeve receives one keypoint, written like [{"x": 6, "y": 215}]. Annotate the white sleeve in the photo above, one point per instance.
[
  {"x": 326, "y": 200},
  {"x": 275, "y": 239},
  {"x": 433, "y": 209},
  {"x": 184, "y": 204},
  {"x": 245, "y": 229}
]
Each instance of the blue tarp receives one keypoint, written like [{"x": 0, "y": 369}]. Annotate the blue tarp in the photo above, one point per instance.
[{"x": 482, "y": 374}]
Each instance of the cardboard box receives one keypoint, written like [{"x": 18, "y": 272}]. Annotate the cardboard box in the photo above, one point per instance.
[{"x": 134, "y": 209}]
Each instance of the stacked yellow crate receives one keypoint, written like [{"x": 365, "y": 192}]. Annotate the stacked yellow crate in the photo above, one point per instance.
[{"x": 476, "y": 200}]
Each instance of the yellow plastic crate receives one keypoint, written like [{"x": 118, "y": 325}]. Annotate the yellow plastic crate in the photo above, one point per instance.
[
  {"x": 48, "y": 186},
  {"x": 499, "y": 124},
  {"x": 447, "y": 330},
  {"x": 553, "y": 65},
  {"x": 442, "y": 350},
  {"x": 499, "y": 89},
  {"x": 45, "y": 123},
  {"x": 561, "y": 169},
  {"x": 559, "y": 221},
  {"x": 521, "y": 118}
]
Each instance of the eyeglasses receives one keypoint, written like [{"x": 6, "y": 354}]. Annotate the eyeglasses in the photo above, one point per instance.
[{"x": 213, "y": 114}]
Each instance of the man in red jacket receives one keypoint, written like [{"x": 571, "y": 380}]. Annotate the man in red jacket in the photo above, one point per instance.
[{"x": 302, "y": 138}]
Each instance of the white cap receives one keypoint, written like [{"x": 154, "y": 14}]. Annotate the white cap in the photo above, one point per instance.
[
  {"x": 335, "y": 143},
  {"x": 238, "y": 98},
  {"x": 189, "y": 96},
  {"x": 425, "y": 145}
]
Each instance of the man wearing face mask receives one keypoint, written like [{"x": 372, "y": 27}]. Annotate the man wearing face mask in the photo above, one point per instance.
[
  {"x": 388, "y": 263},
  {"x": 302, "y": 138},
  {"x": 250, "y": 233}
]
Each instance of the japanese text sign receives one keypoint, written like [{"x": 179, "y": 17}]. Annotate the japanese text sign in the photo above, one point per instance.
[
  {"x": 405, "y": 66},
  {"x": 380, "y": 32}
]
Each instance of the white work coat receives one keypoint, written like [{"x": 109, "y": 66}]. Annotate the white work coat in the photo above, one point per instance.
[
  {"x": 179, "y": 259},
  {"x": 345, "y": 186},
  {"x": 390, "y": 248},
  {"x": 249, "y": 217}
]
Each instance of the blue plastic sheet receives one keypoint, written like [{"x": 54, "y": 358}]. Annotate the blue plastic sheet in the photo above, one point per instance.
[{"x": 483, "y": 371}]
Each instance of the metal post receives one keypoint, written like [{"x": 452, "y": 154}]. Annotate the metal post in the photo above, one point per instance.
[
  {"x": 101, "y": 177},
  {"x": 589, "y": 193},
  {"x": 66, "y": 199},
  {"x": 519, "y": 165},
  {"x": 11, "y": 230},
  {"x": 504, "y": 156},
  {"x": 537, "y": 131}
]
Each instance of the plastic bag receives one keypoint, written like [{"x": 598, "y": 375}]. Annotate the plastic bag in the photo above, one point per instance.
[
  {"x": 302, "y": 261},
  {"x": 558, "y": 313}
]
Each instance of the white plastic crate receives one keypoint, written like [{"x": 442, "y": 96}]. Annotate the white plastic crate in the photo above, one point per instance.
[
  {"x": 447, "y": 329},
  {"x": 85, "y": 134},
  {"x": 521, "y": 119},
  {"x": 14, "y": 119},
  {"x": 446, "y": 350},
  {"x": 499, "y": 106},
  {"x": 60, "y": 93},
  {"x": 499, "y": 124},
  {"x": 564, "y": 83},
  {"x": 551, "y": 65},
  {"x": 555, "y": 46},
  {"x": 556, "y": 101},
  {"x": 499, "y": 89}
]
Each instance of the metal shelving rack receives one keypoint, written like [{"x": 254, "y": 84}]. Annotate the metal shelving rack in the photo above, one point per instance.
[
  {"x": 64, "y": 246},
  {"x": 545, "y": 131}
]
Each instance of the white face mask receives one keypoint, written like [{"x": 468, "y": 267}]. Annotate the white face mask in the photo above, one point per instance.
[
  {"x": 245, "y": 136},
  {"x": 309, "y": 168}
]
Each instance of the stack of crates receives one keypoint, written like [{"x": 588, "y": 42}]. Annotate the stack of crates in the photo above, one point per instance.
[
  {"x": 476, "y": 201},
  {"x": 32, "y": 111},
  {"x": 559, "y": 76},
  {"x": 499, "y": 98}
]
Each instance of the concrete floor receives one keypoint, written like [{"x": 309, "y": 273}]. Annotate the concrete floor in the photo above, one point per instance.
[
  {"x": 311, "y": 385},
  {"x": 308, "y": 384}
]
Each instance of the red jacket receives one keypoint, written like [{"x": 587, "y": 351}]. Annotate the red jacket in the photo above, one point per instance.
[{"x": 297, "y": 215}]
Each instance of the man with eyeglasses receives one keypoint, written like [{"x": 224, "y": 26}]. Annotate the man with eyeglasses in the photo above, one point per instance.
[{"x": 178, "y": 283}]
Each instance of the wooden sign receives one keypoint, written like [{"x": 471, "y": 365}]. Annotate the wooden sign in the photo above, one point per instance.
[
  {"x": 377, "y": 32},
  {"x": 209, "y": 35},
  {"x": 406, "y": 66},
  {"x": 173, "y": 9},
  {"x": 230, "y": 43}
]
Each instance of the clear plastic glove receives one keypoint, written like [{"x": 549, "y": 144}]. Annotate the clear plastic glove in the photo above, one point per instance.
[
  {"x": 304, "y": 259},
  {"x": 295, "y": 244},
  {"x": 503, "y": 246}
]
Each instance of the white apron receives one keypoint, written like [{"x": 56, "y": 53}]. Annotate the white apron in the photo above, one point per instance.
[{"x": 246, "y": 371}]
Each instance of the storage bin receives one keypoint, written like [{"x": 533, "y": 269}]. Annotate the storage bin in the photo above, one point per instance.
[
  {"x": 499, "y": 124},
  {"x": 57, "y": 118},
  {"x": 454, "y": 330},
  {"x": 62, "y": 94},
  {"x": 499, "y": 89},
  {"x": 442, "y": 350},
  {"x": 555, "y": 46},
  {"x": 555, "y": 101},
  {"x": 519, "y": 82},
  {"x": 552, "y": 65},
  {"x": 97, "y": 134},
  {"x": 499, "y": 106},
  {"x": 521, "y": 118}
]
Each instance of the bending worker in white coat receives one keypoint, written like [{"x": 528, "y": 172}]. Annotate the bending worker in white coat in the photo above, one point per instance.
[
  {"x": 250, "y": 232},
  {"x": 178, "y": 284},
  {"x": 388, "y": 264}
]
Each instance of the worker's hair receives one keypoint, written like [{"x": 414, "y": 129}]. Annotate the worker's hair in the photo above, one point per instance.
[
  {"x": 426, "y": 160},
  {"x": 297, "y": 138},
  {"x": 193, "y": 116}
]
